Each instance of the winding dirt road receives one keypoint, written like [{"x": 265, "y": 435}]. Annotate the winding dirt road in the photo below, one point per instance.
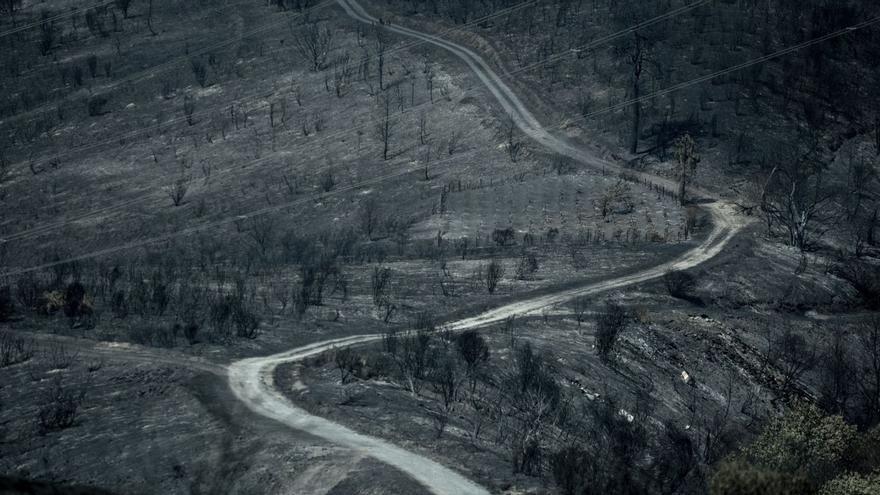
[{"x": 251, "y": 380}]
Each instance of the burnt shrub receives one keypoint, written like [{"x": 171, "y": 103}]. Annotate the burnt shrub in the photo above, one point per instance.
[
  {"x": 166, "y": 336},
  {"x": 92, "y": 63},
  {"x": 77, "y": 307},
  {"x": 191, "y": 332},
  {"x": 347, "y": 362},
  {"x": 247, "y": 322},
  {"x": 864, "y": 279},
  {"x": 75, "y": 300},
  {"x": 14, "y": 349},
  {"x": 527, "y": 266},
  {"x": 28, "y": 290},
  {"x": 473, "y": 349},
  {"x": 492, "y": 274},
  {"x": 610, "y": 323},
  {"x": 681, "y": 285},
  {"x": 567, "y": 466},
  {"x": 7, "y": 307},
  {"x": 200, "y": 71},
  {"x": 60, "y": 406},
  {"x": 59, "y": 357},
  {"x": 119, "y": 304},
  {"x": 231, "y": 313},
  {"x": 77, "y": 76},
  {"x": 503, "y": 237},
  {"x": 142, "y": 334},
  {"x": 96, "y": 106}
]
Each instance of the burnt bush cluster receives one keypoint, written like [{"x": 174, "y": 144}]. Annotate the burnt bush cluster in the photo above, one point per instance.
[
  {"x": 60, "y": 405},
  {"x": 14, "y": 349}
]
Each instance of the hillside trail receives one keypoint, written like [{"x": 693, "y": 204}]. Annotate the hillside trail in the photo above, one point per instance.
[{"x": 251, "y": 380}]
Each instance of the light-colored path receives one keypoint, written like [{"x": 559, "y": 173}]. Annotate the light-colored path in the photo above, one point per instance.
[{"x": 251, "y": 380}]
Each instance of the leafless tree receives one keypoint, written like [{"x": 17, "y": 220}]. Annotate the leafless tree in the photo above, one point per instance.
[
  {"x": 534, "y": 401},
  {"x": 836, "y": 371},
  {"x": 681, "y": 285},
  {"x": 369, "y": 217},
  {"x": 346, "y": 362},
  {"x": 861, "y": 175},
  {"x": 10, "y": 8},
  {"x": 877, "y": 135},
  {"x": 796, "y": 197},
  {"x": 610, "y": 324},
  {"x": 493, "y": 273},
  {"x": 637, "y": 54},
  {"x": 446, "y": 381},
  {"x": 262, "y": 229},
  {"x": 380, "y": 284},
  {"x": 380, "y": 47},
  {"x": 278, "y": 114},
  {"x": 428, "y": 72},
  {"x": 150, "y": 17},
  {"x": 479, "y": 398},
  {"x": 384, "y": 124},
  {"x": 424, "y": 134},
  {"x": 342, "y": 74},
  {"x": 177, "y": 191},
  {"x": 714, "y": 434},
  {"x": 475, "y": 352},
  {"x": 440, "y": 418},
  {"x": 868, "y": 381},
  {"x": 327, "y": 181},
  {"x": 47, "y": 34},
  {"x": 515, "y": 147},
  {"x": 315, "y": 270},
  {"x": 452, "y": 142},
  {"x": 200, "y": 71},
  {"x": 189, "y": 108},
  {"x": 314, "y": 43},
  {"x": 426, "y": 160},
  {"x": 413, "y": 357},
  {"x": 792, "y": 356},
  {"x": 123, "y": 6},
  {"x": 687, "y": 159},
  {"x": 5, "y": 167},
  {"x": 580, "y": 306}
]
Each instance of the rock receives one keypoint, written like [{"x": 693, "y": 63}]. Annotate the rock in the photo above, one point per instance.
[{"x": 687, "y": 378}]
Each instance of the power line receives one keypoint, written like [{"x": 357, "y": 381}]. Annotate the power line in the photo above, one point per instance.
[
  {"x": 48, "y": 227},
  {"x": 51, "y": 19},
  {"x": 38, "y": 230},
  {"x": 735, "y": 68},
  {"x": 159, "y": 68},
  {"x": 244, "y": 99},
  {"x": 224, "y": 221},
  {"x": 613, "y": 36},
  {"x": 274, "y": 208}
]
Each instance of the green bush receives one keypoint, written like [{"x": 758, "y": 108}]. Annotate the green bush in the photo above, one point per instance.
[
  {"x": 740, "y": 478},
  {"x": 852, "y": 484},
  {"x": 805, "y": 441}
]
